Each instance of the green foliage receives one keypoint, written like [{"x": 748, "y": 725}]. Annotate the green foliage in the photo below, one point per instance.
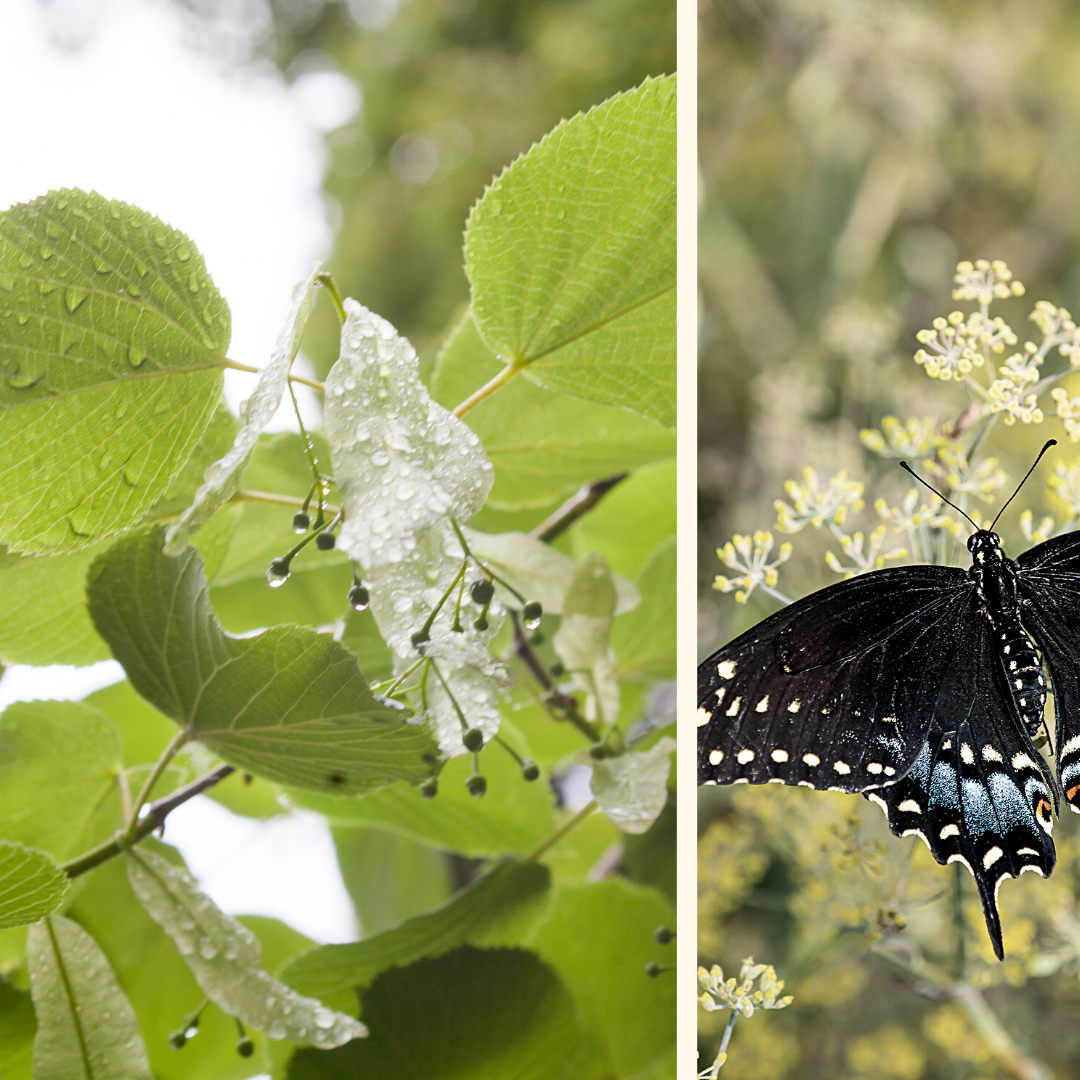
[
  {"x": 579, "y": 292},
  {"x": 31, "y": 885},
  {"x": 382, "y": 661},
  {"x": 289, "y": 705},
  {"x": 113, "y": 341},
  {"x": 85, "y": 1025},
  {"x": 542, "y": 444},
  {"x": 532, "y": 1033}
]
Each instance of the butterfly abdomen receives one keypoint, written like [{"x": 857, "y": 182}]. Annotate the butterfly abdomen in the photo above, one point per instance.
[{"x": 1023, "y": 670}]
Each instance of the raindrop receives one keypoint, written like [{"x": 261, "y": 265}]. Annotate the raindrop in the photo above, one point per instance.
[
  {"x": 362, "y": 434},
  {"x": 46, "y": 253},
  {"x": 207, "y": 949},
  {"x": 350, "y": 383},
  {"x": 276, "y": 1030},
  {"x": 381, "y": 457},
  {"x": 73, "y": 298},
  {"x": 405, "y": 493},
  {"x": 136, "y": 357}
]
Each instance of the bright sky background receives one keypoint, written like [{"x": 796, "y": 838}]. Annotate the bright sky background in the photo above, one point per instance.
[{"x": 236, "y": 162}]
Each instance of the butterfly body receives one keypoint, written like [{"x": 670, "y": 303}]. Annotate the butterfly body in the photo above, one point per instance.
[{"x": 922, "y": 688}]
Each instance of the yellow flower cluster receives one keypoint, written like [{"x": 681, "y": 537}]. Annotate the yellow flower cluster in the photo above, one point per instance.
[
  {"x": 1065, "y": 484},
  {"x": 900, "y": 440},
  {"x": 1068, "y": 409},
  {"x": 872, "y": 559},
  {"x": 1033, "y": 535},
  {"x": 956, "y": 344},
  {"x": 1009, "y": 393},
  {"x": 911, "y": 514},
  {"x": 985, "y": 281},
  {"x": 750, "y": 556},
  {"x": 1058, "y": 329},
  {"x": 815, "y": 504},
  {"x": 739, "y": 993}
]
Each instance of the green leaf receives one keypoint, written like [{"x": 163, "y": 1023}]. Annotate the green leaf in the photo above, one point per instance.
[
  {"x": 289, "y": 705},
  {"x": 496, "y": 910},
  {"x": 222, "y": 479},
  {"x": 59, "y": 763},
  {"x": 512, "y": 817},
  {"x": 361, "y": 637},
  {"x": 157, "y": 982},
  {"x": 598, "y": 938},
  {"x": 630, "y": 521},
  {"x": 112, "y": 340},
  {"x": 632, "y": 788},
  {"x": 644, "y": 639},
  {"x": 31, "y": 885},
  {"x": 45, "y": 620},
  {"x": 313, "y": 596},
  {"x": 496, "y": 1015},
  {"x": 225, "y": 958},
  {"x": 215, "y": 442},
  {"x": 86, "y": 1026},
  {"x": 390, "y": 878},
  {"x": 17, "y": 1028},
  {"x": 571, "y": 255},
  {"x": 544, "y": 445}
]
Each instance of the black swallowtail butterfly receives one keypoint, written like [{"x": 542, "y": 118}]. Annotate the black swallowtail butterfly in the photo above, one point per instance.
[{"x": 920, "y": 687}]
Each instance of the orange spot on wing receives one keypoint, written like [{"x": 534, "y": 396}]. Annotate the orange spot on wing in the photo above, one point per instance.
[{"x": 1071, "y": 793}]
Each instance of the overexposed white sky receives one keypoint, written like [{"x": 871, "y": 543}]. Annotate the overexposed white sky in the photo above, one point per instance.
[{"x": 236, "y": 162}]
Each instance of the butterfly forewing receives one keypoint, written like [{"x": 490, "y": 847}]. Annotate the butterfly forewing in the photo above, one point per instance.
[
  {"x": 1049, "y": 580},
  {"x": 977, "y": 792},
  {"x": 838, "y": 690}
]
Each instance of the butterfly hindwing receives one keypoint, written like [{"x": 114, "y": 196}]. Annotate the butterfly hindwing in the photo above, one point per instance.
[
  {"x": 977, "y": 792},
  {"x": 837, "y": 690},
  {"x": 1049, "y": 585}
]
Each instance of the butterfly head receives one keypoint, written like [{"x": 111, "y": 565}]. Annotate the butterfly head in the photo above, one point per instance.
[{"x": 982, "y": 540}]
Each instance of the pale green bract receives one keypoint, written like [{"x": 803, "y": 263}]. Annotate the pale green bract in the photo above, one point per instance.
[
  {"x": 222, "y": 478},
  {"x": 112, "y": 342},
  {"x": 571, "y": 255},
  {"x": 632, "y": 788},
  {"x": 225, "y": 958},
  {"x": 401, "y": 461},
  {"x": 583, "y": 640},
  {"x": 539, "y": 571},
  {"x": 288, "y": 705},
  {"x": 31, "y": 885},
  {"x": 86, "y": 1027}
]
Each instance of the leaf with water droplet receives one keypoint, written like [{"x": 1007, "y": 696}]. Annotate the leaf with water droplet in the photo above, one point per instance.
[
  {"x": 222, "y": 478},
  {"x": 238, "y": 986},
  {"x": 78, "y": 318},
  {"x": 289, "y": 705},
  {"x": 31, "y": 884},
  {"x": 583, "y": 640},
  {"x": 401, "y": 461},
  {"x": 584, "y": 300},
  {"x": 86, "y": 1027},
  {"x": 632, "y": 788}
]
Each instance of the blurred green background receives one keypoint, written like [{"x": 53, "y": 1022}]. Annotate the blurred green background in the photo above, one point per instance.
[{"x": 851, "y": 153}]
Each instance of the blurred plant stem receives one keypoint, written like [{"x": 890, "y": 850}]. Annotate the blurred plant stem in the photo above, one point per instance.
[{"x": 982, "y": 1018}]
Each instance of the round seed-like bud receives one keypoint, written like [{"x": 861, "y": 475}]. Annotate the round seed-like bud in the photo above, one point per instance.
[
  {"x": 536, "y": 638},
  {"x": 476, "y": 785},
  {"x": 652, "y": 969},
  {"x": 480, "y": 624},
  {"x": 473, "y": 740},
  {"x": 277, "y": 573},
  {"x": 244, "y": 1046},
  {"x": 359, "y": 598},
  {"x": 178, "y": 1040},
  {"x": 420, "y": 637},
  {"x": 430, "y": 787},
  {"x": 325, "y": 541},
  {"x": 530, "y": 770},
  {"x": 557, "y": 669},
  {"x": 530, "y": 615},
  {"x": 300, "y": 523},
  {"x": 482, "y": 591},
  {"x": 663, "y": 935}
]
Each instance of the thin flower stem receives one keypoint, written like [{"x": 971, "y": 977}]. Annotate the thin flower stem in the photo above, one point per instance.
[
  {"x": 490, "y": 387},
  {"x": 393, "y": 684},
  {"x": 582, "y": 501},
  {"x": 453, "y": 701},
  {"x": 430, "y": 621},
  {"x": 245, "y": 495},
  {"x": 561, "y": 831},
  {"x": 486, "y": 569},
  {"x": 237, "y": 366},
  {"x": 776, "y": 594},
  {"x": 170, "y": 751},
  {"x": 309, "y": 449},
  {"x": 727, "y": 1033},
  {"x": 326, "y": 280}
]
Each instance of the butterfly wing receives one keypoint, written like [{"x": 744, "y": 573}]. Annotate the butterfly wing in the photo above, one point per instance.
[
  {"x": 837, "y": 690},
  {"x": 977, "y": 792},
  {"x": 1049, "y": 585}
]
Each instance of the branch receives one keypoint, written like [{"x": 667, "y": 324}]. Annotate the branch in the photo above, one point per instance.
[
  {"x": 578, "y": 504},
  {"x": 151, "y": 821}
]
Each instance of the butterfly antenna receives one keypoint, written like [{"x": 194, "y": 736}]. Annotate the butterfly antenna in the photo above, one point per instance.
[
  {"x": 1049, "y": 443},
  {"x": 907, "y": 468}
]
